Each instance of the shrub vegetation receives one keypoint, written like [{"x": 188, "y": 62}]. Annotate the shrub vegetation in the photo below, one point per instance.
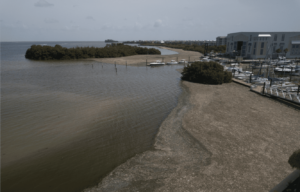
[
  {"x": 38, "y": 52},
  {"x": 294, "y": 159},
  {"x": 206, "y": 72}
]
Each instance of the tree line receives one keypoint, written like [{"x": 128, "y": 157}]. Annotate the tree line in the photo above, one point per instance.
[
  {"x": 192, "y": 47},
  {"x": 39, "y": 52}
]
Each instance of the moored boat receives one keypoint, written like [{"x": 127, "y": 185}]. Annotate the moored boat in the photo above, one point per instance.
[
  {"x": 182, "y": 61},
  {"x": 172, "y": 62},
  {"x": 156, "y": 63}
]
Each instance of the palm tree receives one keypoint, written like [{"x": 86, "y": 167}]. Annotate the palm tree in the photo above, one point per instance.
[
  {"x": 285, "y": 51},
  {"x": 278, "y": 51}
]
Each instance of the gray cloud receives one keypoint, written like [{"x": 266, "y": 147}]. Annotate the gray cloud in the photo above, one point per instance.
[
  {"x": 50, "y": 20},
  {"x": 90, "y": 18},
  {"x": 43, "y": 3},
  {"x": 70, "y": 28},
  {"x": 158, "y": 23}
]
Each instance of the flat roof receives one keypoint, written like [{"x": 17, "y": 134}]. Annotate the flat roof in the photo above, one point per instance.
[
  {"x": 295, "y": 42},
  {"x": 264, "y": 35},
  {"x": 266, "y": 32}
]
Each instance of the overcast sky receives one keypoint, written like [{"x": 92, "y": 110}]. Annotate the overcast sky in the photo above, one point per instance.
[{"x": 97, "y": 20}]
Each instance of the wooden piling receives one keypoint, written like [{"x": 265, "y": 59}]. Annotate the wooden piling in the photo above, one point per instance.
[
  {"x": 264, "y": 88},
  {"x": 291, "y": 74}
]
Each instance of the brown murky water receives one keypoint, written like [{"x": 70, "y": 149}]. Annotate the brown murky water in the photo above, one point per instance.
[{"x": 65, "y": 125}]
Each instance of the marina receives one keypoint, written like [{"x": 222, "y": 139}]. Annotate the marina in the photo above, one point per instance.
[{"x": 270, "y": 77}]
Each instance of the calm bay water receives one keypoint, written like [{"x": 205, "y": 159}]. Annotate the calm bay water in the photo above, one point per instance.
[{"x": 66, "y": 124}]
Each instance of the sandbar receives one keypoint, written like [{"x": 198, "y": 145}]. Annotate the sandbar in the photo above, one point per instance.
[{"x": 141, "y": 59}]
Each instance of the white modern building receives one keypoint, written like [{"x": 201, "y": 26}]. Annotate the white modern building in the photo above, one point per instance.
[
  {"x": 221, "y": 40},
  {"x": 256, "y": 45}
]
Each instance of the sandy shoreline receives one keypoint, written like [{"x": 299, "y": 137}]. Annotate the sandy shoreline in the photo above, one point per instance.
[
  {"x": 218, "y": 138},
  {"x": 141, "y": 59}
]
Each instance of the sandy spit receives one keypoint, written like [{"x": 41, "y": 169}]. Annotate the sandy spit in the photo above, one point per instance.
[{"x": 141, "y": 59}]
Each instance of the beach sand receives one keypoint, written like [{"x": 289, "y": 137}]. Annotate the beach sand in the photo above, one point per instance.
[
  {"x": 218, "y": 138},
  {"x": 141, "y": 59}
]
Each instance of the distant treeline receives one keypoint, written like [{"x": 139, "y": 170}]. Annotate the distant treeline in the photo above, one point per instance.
[
  {"x": 193, "y": 47},
  {"x": 38, "y": 52}
]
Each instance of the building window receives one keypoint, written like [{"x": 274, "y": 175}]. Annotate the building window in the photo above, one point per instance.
[
  {"x": 274, "y": 47},
  {"x": 281, "y": 46},
  {"x": 282, "y": 37},
  {"x": 250, "y": 37},
  {"x": 254, "y": 45},
  {"x": 262, "y": 45},
  {"x": 275, "y": 37},
  {"x": 249, "y": 47},
  {"x": 261, "y": 52},
  {"x": 253, "y": 51},
  {"x": 295, "y": 50}
]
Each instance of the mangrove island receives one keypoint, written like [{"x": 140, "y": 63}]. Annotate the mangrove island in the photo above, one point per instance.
[{"x": 39, "y": 52}]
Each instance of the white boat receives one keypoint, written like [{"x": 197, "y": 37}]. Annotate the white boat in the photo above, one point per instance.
[
  {"x": 182, "y": 61},
  {"x": 260, "y": 81},
  {"x": 282, "y": 61},
  {"x": 172, "y": 62},
  {"x": 247, "y": 72},
  {"x": 206, "y": 60},
  {"x": 231, "y": 69},
  {"x": 287, "y": 69},
  {"x": 158, "y": 62}
]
